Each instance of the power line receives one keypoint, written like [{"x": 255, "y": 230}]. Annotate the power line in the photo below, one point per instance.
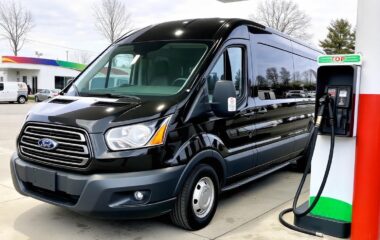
[{"x": 60, "y": 46}]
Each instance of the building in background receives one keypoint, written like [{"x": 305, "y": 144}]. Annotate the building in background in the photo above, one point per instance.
[{"x": 38, "y": 73}]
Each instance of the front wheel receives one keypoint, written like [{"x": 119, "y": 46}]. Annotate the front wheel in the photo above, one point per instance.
[
  {"x": 196, "y": 204},
  {"x": 21, "y": 99},
  {"x": 36, "y": 99}
]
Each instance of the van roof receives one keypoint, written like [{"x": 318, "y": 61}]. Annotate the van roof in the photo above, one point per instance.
[{"x": 198, "y": 29}]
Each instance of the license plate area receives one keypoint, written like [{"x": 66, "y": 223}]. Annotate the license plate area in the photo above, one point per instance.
[{"x": 43, "y": 178}]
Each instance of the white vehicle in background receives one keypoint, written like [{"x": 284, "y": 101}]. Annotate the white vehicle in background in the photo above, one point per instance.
[
  {"x": 297, "y": 94},
  {"x": 311, "y": 94},
  {"x": 13, "y": 92}
]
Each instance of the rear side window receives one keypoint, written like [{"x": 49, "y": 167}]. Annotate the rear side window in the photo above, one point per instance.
[
  {"x": 305, "y": 74},
  {"x": 1, "y": 86},
  {"x": 274, "y": 72},
  {"x": 229, "y": 66}
]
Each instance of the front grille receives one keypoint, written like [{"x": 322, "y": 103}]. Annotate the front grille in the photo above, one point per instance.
[{"x": 72, "y": 148}]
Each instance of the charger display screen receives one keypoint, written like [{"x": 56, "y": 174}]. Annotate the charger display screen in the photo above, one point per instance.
[{"x": 332, "y": 92}]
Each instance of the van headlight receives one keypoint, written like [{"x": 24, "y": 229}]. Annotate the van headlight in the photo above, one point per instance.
[{"x": 137, "y": 135}]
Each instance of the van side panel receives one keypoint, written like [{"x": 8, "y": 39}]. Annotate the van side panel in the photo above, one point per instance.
[{"x": 272, "y": 71}]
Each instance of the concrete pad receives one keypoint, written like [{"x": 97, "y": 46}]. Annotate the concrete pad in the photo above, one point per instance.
[
  {"x": 267, "y": 227},
  {"x": 5, "y": 174},
  {"x": 8, "y": 194},
  {"x": 250, "y": 201},
  {"x": 30, "y": 219}
]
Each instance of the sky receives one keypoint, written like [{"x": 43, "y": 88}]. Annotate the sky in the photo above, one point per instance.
[{"x": 65, "y": 28}]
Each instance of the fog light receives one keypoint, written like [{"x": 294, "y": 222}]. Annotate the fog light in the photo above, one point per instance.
[{"x": 139, "y": 195}]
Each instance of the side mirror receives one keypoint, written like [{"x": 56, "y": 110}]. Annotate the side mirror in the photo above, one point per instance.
[{"x": 224, "y": 99}]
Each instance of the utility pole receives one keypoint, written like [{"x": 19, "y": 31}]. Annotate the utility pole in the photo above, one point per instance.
[
  {"x": 67, "y": 55},
  {"x": 38, "y": 54}
]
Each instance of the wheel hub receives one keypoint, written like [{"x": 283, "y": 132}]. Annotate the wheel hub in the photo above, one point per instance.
[{"x": 203, "y": 197}]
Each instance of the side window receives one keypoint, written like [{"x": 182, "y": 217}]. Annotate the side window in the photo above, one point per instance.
[
  {"x": 235, "y": 58},
  {"x": 273, "y": 72},
  {"x": 305, "y": 75},
  {"x": 229, "y": 66},
  {"x": 1, "y": 86}
]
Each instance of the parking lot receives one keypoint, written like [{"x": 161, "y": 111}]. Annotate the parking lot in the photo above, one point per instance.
[{"x": 250, "y": 212}]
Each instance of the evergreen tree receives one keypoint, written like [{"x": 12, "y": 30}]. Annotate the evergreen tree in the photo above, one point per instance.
[{"x": 340, "y": 38}]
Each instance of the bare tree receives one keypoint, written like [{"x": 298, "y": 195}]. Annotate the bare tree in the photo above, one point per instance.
[
  {"x": 112, "y": 19},
  {"x": 15, "y": 23},
  {"x": 83, "y": 57},
  {"x": 284, "y": 16}
]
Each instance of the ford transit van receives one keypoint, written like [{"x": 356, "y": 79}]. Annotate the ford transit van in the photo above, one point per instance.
[
  {"x": 13, "y": 92},
  {"x": 167, "y": 118}
]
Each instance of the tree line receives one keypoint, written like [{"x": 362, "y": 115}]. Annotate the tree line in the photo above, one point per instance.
[{"x": 287, "y": 17}]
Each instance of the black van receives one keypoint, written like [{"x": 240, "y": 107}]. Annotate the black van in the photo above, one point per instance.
[{"x": 168, "y": 117}]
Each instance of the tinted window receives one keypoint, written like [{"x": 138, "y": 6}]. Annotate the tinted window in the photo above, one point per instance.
[
  {"x": 229, "y": 66},
  {"x": 305, "y": 75},
  {"x": 273, "y": 71},
  {"x": 235, "y": 58},
  {"x": 1, "y": 86}
]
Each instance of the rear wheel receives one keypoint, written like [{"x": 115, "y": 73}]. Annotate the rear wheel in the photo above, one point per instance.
[
  {"x": 196, "y": 204},
  {"x": 21, "y": 99}
]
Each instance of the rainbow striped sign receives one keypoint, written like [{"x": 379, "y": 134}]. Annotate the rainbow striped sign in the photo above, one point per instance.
[{"x": 43, "y": 61}]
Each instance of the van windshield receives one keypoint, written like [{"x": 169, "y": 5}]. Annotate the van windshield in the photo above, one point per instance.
[{"x": 144, "y": 69}]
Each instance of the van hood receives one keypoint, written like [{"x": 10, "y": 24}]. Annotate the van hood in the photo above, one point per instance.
[{"x": 98, "y": 114}]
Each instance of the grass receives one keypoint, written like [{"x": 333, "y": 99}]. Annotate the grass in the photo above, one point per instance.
[{"x": 31, "y": 98}]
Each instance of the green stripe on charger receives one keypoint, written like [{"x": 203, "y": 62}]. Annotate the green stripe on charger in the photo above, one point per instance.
[{"x": 332, "y": 208}]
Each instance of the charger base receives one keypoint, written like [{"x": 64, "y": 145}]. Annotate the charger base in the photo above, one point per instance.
[{"x": 326, "y": 226}]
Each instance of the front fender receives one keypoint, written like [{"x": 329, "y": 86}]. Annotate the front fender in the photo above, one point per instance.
[{"x": 208, "y": 156}]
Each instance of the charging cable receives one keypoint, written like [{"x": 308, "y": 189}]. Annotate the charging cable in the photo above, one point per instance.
[{"x": 327, "y": 100}]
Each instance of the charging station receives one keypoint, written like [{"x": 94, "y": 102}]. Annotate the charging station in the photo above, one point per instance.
[{"x": 338, "y": 78}]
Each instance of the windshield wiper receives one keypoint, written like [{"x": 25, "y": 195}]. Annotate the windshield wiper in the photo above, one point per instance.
[{"x": 110, "y": 95}]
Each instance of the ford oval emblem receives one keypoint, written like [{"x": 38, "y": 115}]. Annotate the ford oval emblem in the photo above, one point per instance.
[{"x": 47, "y": 144}]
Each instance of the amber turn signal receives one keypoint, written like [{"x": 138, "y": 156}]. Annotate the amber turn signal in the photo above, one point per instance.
[{"x": 159, "y": 137}]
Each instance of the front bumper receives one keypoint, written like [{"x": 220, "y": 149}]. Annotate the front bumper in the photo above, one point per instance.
[{"x": 107, "y": 195}]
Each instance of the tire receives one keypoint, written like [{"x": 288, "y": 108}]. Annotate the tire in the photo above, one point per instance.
[
  {"x": 21, "y": 100},
  {"x": 36, "y": 99},
  {"x": 203, "y": 184}
]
